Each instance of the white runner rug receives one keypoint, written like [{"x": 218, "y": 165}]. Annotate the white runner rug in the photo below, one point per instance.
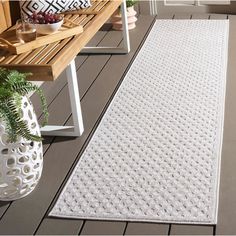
[{"x": 155, "y": 156}]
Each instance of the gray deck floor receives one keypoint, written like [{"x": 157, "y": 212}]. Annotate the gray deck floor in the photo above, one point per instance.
[{"x": 99, "y": 76}]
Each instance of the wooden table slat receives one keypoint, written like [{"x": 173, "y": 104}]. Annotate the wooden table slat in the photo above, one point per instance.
[{"x": 58, "y": 56}]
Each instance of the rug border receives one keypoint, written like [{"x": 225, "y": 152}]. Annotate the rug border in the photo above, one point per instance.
[{"x": 225, "y": 67}]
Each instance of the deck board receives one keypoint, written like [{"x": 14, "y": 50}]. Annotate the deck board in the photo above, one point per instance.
[
  {"x": 103, "y": 228},
  {"x": 147, "y": 229},
  {"x": 3, "y": 208},
  {"x": 182, "y": 16},
  {"x": 218, "y": 16},
  {"x": 191, "y": 230},
  {"x": 200, "y": 16},
  {"x": 97, "y": 85},
  {"x": 54, "y": 226},
  {"x": 227, "y": 202}
]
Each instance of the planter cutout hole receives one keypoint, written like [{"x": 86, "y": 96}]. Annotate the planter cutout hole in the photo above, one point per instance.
[
  {"x": 4, "y": 151},
  {"x": 11, "y": 162}
]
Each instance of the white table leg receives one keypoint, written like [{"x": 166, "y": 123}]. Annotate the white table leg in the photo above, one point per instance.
[
  {"x": 78, "y": 128},
  {"x": 114, "y": 50},
  {"x": 125, "y": 27}
]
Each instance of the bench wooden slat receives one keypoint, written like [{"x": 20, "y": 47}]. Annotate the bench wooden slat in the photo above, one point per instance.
[
  {"x": 8, "y": 59},
  {"x": 20, "y": 58},
  {"x": 32, "y": 55},
  {"x": 41, "y": 54},
  {"x": 56, "y": 56},
  {"x": 51, "y": 54},
  {"x": 64, "y": 56},
  {"x": 43, "y": 72}
]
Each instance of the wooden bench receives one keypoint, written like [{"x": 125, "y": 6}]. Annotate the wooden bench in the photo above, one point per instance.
[{"x": 49, "y": 61}]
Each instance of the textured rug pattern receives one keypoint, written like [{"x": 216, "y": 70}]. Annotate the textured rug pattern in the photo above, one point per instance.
[{"x": 155, "y": 156}]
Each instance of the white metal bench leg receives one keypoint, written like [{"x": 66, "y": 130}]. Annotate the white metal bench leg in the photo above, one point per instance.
[
  {"x": 114, "y": 50},
  {"x": 78, "y": 128}
]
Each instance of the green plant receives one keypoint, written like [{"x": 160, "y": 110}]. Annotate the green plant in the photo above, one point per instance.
[
  {"x": 130, "y": 3},
  {"x": 12, "y": 87}
]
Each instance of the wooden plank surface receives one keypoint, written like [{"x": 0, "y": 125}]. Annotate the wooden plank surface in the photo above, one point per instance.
[
  {"x": 103, "y": 228},
  {"x": 147, "y": 229},
  {"x": 227, "y": 202},
  {"x": 144, "y": 7},
  {"x": 41, "y": 40},
  {"x": 52, "y": 226},
  {"x": 113, "y": 39},
  {"x": 218, "y": 16},
  {"x": 191, "y": 230},
  {"x": 165, "y": 16},
  {"x": 56, "y": 56},
  {"x": 3, "y": 208},
  {"x": 180, "y": 16},
  {"x": 200, "y": 16}
]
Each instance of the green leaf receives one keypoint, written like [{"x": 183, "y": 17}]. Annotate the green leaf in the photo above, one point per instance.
[{"x": 13, "y": 86}]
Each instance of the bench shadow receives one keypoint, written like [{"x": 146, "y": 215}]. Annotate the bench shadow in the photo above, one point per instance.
[
  {"x": 4, "y": 203},
  {"x": 52, "y": 139}
]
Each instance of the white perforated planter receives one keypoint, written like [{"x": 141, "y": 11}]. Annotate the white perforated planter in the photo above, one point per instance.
[{"x": 20, "y": 162}]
